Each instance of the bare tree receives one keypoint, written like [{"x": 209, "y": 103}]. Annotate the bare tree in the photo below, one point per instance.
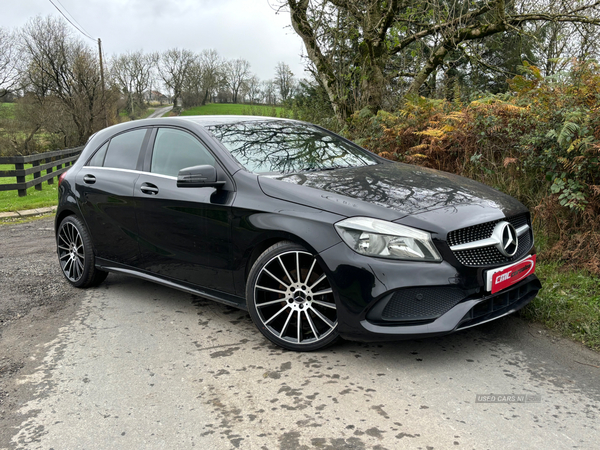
[
  {"x": 237, "y": 73},
  {"x": 212, "y": 72},
  {"x": 192, "y": 90},
  {"x": 9, "y": 60},
  {"x": 357, "y": 47},
  {"x": 254, "y": 90},
  {"x": 134, "y": 74},
  {"x": 284, "y": 79},
  {"x": 557, "y": 43},
  {"x": 173, "y": 68},
  {"x": 63, "y": 71},
  {"x": 203, "y": 79},
  {"x": 269, "y": 91}
]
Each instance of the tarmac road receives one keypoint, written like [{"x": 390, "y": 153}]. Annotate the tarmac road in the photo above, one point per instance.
[
  {"x": 160, "y": 112},
  {"x": 135, "y": 365}
]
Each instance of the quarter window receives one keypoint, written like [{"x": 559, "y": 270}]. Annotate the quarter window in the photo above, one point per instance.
[
  {"x": 98, "y": 158},
  {"x": 124, "y": 150},
  {"x": 175, "y": 150}
]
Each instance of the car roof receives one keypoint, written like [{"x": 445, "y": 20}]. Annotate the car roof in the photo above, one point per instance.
[
  {"x": 221, "y": 120},
  {"x": 203, "y": 121}
]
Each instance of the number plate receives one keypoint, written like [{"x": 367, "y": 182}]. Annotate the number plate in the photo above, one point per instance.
[{"x": 506, "y": 276}]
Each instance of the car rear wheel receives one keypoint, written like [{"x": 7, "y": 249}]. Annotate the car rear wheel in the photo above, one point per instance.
[
  {"x": 291, "y": 300},
  {"x": 76, "y": 255}
]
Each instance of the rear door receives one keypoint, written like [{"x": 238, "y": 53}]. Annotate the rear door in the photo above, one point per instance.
[
  {"x": 105, "y": 185},
  {"x": 185, "y": 233}
]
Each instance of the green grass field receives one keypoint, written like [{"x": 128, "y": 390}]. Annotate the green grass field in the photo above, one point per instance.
[
  {"x": 7, "y": 110},
  {"x": 236, "y": 110},
  {"x": 569, "y": 303},
  {"x": 10, "y": 200}
]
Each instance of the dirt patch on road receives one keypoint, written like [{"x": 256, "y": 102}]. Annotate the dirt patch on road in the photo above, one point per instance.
[{"x": 35, "y": 301}]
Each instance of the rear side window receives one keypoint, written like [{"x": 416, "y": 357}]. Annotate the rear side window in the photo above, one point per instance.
[
  {"x": 124, "y": 150},
  {"x": 175, "y": 150}
]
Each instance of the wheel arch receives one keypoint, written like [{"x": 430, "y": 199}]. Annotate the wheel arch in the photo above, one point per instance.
[
  {"x": 269, "y": 240},
  {"x": 61, "y": 215}
]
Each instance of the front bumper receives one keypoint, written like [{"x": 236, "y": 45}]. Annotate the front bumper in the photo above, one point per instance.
[
  {"x": 387, "y": 300},
  {"x": 466, "y": 314}
]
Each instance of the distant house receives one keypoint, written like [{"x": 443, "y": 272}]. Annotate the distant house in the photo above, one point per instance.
[{"x": 156, "y": 96}]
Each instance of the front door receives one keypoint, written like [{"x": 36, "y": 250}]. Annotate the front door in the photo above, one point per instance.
[{"x": 185, "y": 233}]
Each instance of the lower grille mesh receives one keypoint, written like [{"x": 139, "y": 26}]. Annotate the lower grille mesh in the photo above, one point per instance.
[
  {"x": 501, "y": 303},
  {"x": 421, "y": 303}
]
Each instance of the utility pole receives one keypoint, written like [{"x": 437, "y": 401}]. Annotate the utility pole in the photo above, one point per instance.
[{"x": 102, "y": 81}]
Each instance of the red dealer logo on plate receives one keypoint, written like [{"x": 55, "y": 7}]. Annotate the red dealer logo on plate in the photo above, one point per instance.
[{"x": 507, "y": 276}]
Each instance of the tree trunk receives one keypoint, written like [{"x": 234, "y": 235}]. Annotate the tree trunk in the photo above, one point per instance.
[
  {"x": 326, "y": 75},
  {"x": 437, "y": 58}
]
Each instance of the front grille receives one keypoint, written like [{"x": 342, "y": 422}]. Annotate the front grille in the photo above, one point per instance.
[
  {"x": 415, "y": 304},
  {"x": 489, "y": 256}
]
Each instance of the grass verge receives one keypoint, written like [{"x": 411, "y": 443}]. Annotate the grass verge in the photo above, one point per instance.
[
  {"x": 235, "y": 109},
  {"x": 125, "y": 117},
  {"x": 10, "y": 200},
  {"x": 569, "y": 303},
  {"x": 15, "y": 221}
]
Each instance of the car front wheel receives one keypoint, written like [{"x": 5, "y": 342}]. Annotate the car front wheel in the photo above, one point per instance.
[
  {"x": 76, "y": 255},
  {"x": 291, "y": 300}
]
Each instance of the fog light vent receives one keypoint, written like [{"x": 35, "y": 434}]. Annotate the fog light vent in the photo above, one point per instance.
[{"x": 422, "y": 303}]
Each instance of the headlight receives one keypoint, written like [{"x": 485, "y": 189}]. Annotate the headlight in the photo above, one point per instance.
[{"x": 382, "y": 239}]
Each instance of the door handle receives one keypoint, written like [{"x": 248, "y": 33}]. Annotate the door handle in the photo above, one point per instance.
[
  {"x": 149, "y": 188},
  {"x": 89, "y": 179}
]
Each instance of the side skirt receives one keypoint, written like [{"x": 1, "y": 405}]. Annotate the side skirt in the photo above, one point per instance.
[{"x": 221, "y": 297}]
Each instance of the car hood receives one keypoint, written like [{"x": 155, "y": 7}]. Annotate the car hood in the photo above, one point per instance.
[{"x": 390, "y": 191}]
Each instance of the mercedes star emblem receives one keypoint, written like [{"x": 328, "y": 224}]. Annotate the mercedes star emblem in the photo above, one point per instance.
[{"x": 506, "y": 236}]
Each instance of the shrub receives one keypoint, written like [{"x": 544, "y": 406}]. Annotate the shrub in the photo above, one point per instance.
[{"x": 540, "y": 143}]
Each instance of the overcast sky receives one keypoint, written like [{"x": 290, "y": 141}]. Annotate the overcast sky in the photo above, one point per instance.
[{"x": 249, "y": 29}]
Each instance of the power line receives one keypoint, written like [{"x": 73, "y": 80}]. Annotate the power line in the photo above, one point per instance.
[
  {"x": 79, "y": 28},
  {"x": 69, "y": 20},
  {"x": 72, "y": 17}
]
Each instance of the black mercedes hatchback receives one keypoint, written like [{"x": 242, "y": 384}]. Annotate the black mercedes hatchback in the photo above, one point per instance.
[{"x": 315, "y": 236}]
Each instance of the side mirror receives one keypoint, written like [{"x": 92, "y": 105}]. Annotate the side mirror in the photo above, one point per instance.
[{"x": 198, "y": 176}]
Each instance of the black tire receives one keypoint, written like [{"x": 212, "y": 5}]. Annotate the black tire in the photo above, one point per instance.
[
  {"x": 295, "y": 312},
  {"x": 76, "y": 254}
]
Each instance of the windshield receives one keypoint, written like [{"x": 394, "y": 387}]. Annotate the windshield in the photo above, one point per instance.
[{"x": 287, "y": 147}]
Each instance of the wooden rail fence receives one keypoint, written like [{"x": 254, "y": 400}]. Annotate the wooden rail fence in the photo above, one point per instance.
[{"x": 54, "y": 163}]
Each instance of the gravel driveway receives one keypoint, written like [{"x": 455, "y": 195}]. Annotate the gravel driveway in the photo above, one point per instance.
[{"x": 35, "y": 301}]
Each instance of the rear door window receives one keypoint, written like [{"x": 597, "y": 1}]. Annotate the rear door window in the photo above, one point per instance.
[{"x": 124, "y": 150}]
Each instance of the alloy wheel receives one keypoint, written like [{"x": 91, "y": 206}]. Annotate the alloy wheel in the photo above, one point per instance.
[
  {"x": 71, "y": 252},
  {"x": 294, "y": 299}
]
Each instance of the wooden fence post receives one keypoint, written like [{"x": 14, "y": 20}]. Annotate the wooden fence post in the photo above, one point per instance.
[
  {"x": 49, "y": 171},
  {"x": 21, "y": 166},
  {"x": 38, "y": 187}
]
